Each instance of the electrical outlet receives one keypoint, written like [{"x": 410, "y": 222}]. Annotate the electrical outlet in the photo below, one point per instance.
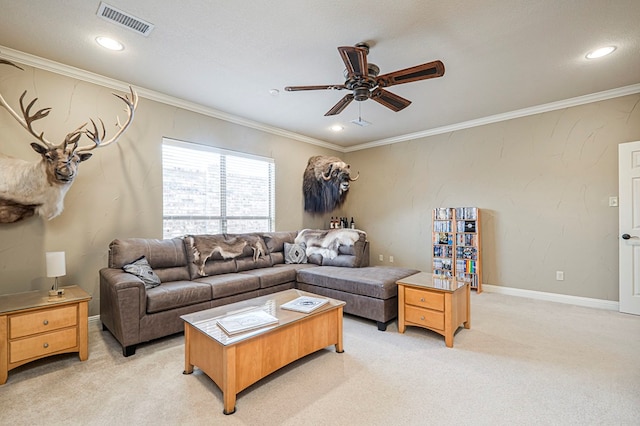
[
  {"x": 381, "y": 258},
  {"x": 390, "y": 259},
  {"x": 559, "y": 275}
]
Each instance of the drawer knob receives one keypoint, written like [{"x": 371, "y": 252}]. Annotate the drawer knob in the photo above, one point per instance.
[
  {"x": 422, "y": 318},
  {"x": 45, "y": 322},
  {"x": 422, "y": 299},
  {"x": 46, "y": 345}
]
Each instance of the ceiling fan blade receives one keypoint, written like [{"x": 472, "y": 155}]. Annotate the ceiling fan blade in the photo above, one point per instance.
[
  {"x": 355, "y": 59},
  {"x": 420, "y": 72},
  {"x": 390, "y": 100},
  {"x": 328, "y": 87},
  {"x": 341, "y": 105}
]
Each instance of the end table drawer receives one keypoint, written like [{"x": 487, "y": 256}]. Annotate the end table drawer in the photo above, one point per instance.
[
  {"x": 424, "y": 317},
  {"x": 424, "y": 298},
  {"x": 42, "y": 321},
  {"x": 43, "y": 344}
]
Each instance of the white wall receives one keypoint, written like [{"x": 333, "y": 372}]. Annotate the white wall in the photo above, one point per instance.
[
  {"x": 118, "y": 192},
  {"x": 543, "y": 183}
]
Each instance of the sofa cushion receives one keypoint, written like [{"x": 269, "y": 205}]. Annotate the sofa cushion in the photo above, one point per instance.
[
  {"x": 175, "y": 294},
  {"x": 270, "y": 277},
  {"x": 294, "y": 253},
  {"x": 275, "y": 240},
  {"x": 343, "y": 260},
  {"x": 247, "y": 263},
  {"x": 167, "y": 257},
  {"x": 347, "y": 248},
  {"x": 230, "y": 284},
  {"x": 224, "y": 253},
  {"x": 141, "y": 269},
  {"x": 374, "y": 281}
]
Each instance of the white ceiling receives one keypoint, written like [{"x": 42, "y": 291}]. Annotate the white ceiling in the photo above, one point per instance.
[{"x": 500, "y": 55}]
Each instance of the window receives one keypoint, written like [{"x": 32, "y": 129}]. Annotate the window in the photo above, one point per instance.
[{"x": 211, "y": 191}]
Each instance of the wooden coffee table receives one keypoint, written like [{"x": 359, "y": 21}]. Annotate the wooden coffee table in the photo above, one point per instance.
[{"x": 234, "y": 362}]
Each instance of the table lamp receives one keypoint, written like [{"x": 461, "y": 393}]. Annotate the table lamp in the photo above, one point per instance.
[{"x": 56, "y": 268}]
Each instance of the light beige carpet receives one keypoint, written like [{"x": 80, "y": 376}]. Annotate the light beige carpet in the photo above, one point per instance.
[{"x": 524, "y": 362}]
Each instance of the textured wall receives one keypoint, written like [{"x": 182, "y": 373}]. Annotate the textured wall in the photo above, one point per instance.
[
  {"x": 118, "y": 192},
  {"x": 543, "y": 183}
]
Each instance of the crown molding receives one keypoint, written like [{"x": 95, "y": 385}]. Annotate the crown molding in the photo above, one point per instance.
[
  {"x": 553, "y": 106},
  {"x": 152, "y": 95}
]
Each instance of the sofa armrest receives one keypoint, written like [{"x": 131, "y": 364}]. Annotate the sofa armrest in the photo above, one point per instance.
[
  {"x": 122, "y": 304},
  {"x": 364, "y": 260}
]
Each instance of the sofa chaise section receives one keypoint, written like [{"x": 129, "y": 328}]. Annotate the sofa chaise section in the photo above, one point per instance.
[{"x": 370, "y": 292}]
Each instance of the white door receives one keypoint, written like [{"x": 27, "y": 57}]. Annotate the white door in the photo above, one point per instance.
[{"x": 629, "y": 226}]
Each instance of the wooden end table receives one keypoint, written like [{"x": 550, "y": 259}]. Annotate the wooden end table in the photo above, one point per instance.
[
  {"x": 434, "y": 302},
  {"x": 34, "y": 325}
]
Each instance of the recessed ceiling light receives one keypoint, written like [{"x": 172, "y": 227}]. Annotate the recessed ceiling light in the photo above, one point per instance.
[
  {"x": 599, "y": 53},
  {"x": 274, "y": 92},
  {"x": 337, "y": 128},
  {"x": 109, "y": 43}
]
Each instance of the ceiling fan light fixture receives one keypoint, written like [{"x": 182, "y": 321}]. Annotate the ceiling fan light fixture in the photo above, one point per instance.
[
  {"x": 362, "y": 79},
  {"x": 600, "y": 52},
  {"x": 361, "y": 93}
]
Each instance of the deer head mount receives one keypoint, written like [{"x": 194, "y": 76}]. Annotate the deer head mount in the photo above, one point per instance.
[{"x": 39, "y": 188}]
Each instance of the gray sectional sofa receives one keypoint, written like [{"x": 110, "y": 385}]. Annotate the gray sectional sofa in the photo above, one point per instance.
[{"x": 204, "y": 271}]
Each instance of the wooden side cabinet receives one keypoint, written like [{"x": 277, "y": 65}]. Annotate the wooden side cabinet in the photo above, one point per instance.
[
  {"x": 437, "y": 303},
  {"x": 34, "y": 325}
]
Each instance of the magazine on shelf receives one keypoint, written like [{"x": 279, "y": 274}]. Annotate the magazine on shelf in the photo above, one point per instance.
[
  {"x": 245, "y": 321},
  {"x": 304, "y": 304}
]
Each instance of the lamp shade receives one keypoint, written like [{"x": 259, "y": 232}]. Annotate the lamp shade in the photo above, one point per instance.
[{"x": 56, "y": 264}]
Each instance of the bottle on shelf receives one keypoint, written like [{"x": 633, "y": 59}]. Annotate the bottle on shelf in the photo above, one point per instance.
[
  {"x": 331, "y": 223},
  {"x": 352, "y": 225}
]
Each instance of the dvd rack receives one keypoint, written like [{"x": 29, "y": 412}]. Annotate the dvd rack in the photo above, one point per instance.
[{"x": 456, "y": 244}]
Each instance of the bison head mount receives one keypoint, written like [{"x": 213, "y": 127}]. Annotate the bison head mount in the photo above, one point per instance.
[{"x": 325, "y": 183}]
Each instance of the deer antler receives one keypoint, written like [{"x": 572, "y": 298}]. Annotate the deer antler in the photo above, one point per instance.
[
  {"x": 97, "y": 136},
  {"x": 29, "y": 118},
  {"x": 72, "y": 138}
]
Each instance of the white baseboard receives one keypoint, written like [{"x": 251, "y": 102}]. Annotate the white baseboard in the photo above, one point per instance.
[
  {"x": 94, "y": 319},
  {"x": 554, "y": 297}
]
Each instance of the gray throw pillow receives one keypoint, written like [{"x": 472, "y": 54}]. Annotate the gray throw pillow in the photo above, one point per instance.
[
  {"x": 141, "y": 269},
  {"x": 294, "y": 253}
]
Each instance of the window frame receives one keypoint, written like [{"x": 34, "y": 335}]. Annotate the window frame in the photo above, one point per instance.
[{"x": 223, "y": 218}]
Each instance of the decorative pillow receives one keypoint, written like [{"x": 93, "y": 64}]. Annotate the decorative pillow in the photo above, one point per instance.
[
  {"x": 141, "y": 269},
  {"x": 294, "y": 253}
]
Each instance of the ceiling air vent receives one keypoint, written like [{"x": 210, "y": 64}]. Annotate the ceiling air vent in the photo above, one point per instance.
[{"x": 118, "y": 17}]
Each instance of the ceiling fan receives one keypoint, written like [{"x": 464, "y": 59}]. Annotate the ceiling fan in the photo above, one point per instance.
[{"x": 363, "y": 80}]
